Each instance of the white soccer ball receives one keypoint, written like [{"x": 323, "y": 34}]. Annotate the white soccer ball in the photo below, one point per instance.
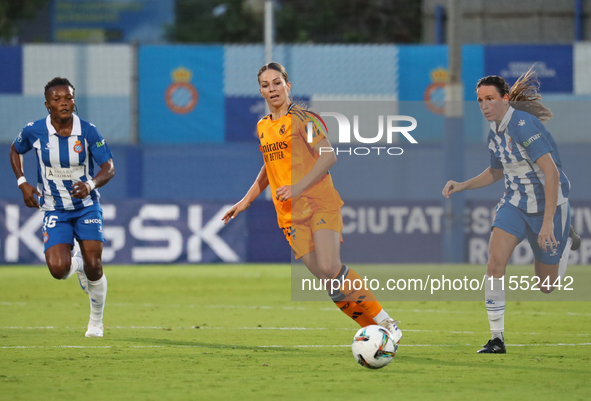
[{"x": 373, "y": 347}]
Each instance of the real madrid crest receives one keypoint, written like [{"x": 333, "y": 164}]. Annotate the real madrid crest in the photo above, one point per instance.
[{"x": 181, "y": 96}]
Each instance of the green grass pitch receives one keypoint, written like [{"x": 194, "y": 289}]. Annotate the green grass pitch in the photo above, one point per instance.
[{"x": 231, "y": 332}]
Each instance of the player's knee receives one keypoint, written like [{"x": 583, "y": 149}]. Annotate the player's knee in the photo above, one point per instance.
[
  {"x": 495, "y": 266},
  {"x": 58, "y": 271},
  {"x": 94, "y": 264},
  {"x": 93, "y": 269},
  {"x": 328, "y": 269}
]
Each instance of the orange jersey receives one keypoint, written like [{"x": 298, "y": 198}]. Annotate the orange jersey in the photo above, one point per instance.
[{"x": 289, "y": 157}]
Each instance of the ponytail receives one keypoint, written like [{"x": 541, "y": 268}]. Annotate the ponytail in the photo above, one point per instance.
[{"x": 524, "y": 95}]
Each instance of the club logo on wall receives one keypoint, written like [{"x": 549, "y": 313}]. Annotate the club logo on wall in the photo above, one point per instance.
[
  {"x": 434, "y": 96},
  {"x": 181, "y": 96}
]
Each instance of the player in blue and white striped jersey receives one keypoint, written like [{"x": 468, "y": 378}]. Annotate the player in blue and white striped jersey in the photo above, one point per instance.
[
  {"x": 515, "y": 146},
  {"x": 535, "y": 204},
  {"x": 66, "y": 148}
]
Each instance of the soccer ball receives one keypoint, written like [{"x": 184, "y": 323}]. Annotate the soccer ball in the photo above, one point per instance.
[{"x": 373, "y": 347}]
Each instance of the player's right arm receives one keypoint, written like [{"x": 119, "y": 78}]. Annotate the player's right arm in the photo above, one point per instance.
[
  {"x": 29, "y": 192},
  {"x": 259, "y": 185},
  {"x": 487, "y": 177}
]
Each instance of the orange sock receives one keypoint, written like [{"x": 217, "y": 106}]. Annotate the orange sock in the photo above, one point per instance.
[
  {"x": 362, "y": 297},
  {"x": 355, "y": 312}
]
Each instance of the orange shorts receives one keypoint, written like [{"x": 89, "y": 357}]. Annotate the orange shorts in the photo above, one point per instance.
[{"x": 301, "y": 234}]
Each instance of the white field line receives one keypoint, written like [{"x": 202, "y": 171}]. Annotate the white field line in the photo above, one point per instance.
[
  {"x": 302, "y": 308},
  {"x": 273, "y": 346},
  {"x": 265, "y": 328}
]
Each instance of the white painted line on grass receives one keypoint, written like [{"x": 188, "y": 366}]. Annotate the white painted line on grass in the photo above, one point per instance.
[
  {"x": 329, "y": 309},
  {"x": 265, "y": 328},
  {"x": 273, "y": 346}
]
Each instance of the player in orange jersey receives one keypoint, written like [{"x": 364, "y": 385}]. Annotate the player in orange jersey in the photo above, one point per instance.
[{"x": 307, "y": 204}]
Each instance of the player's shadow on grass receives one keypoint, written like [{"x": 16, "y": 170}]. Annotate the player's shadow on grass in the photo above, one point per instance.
[{"x": 196, "y": 344}]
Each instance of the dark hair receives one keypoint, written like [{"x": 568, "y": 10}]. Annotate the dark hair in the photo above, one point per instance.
[
  {"x": 58, "y": 81},
  {"x": 524, "y": 94},
  {"x": 496, "y": 81},
  {"x": 273, "y": 66}
]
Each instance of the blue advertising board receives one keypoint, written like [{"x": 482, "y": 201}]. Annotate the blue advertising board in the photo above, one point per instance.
[
  {"x": 137, "y": 231},
  {"x": 424, "y": 73},
  {"x": 374, "y": 232},
  {"x": 553, "y": 64},
  {"x": 243, "y": 114},
  {"x": 392, "y": 232},
  {"x": 11, "y": 70},
  {"x": 180, "y": 96}
]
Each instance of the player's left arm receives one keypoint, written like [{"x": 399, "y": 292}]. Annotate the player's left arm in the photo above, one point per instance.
[
  {"x": 100, "y": 152},
  {"x": 82, "y": 189},
  {"x": 551, "y": 186},
  {"x": 325, "y": 161}
]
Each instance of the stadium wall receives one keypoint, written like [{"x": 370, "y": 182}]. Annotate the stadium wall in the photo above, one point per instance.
[
  {"x": 225, "y": 172},
  {"x": 208, "y": 94},
  {"x": 141, "y": 231},
  {"x": 198, "y": 151}
]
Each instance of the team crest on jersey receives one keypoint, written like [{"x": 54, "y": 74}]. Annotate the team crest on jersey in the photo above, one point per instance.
[
  {"x": 45, "y": 237},
  {"x": 78, "y": 147},
  {"x": 510, "y": 144},
  {"x": 282, "y": 130}
]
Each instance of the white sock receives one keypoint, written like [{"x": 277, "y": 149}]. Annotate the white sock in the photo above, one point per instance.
[
  {"x": 494, "y": 295},
  {"x": 77, "y": 265},
  {"x": 563, "y": 264},
  {"x": 381, "y": 316},
  {"x": 496, "y": 334},
  {"x": 97, "y": 292}
]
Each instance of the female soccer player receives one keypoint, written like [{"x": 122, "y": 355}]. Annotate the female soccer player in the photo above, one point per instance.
[
  {"x": 66, "y": 188},
  {"x": 535, "y": 204},
  {"x": 307, "y": 204}
]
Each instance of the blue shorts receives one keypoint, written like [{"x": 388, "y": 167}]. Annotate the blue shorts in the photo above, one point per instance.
[
  {"x": 62, "y": 226},
  {"x": 515, "y": 221}
]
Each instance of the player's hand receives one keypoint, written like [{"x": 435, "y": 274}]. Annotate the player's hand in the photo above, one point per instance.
[
  {"x": 80, "y": 190},
  {"x": 287, "y": 192},
  {"x": 546, "y": 237},
  {"x": 29, "y": 193},
  {"x": 451, "y": 187},
  {"x": 235, "y": 211}
]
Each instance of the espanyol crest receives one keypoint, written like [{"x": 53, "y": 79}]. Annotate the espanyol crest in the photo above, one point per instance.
[{"x": 181, "y": 96}]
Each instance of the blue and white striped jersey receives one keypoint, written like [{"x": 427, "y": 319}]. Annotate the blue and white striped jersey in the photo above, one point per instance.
[
  {"x": 519, "y": 141},
  {"x": 62, "y": 161}
]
